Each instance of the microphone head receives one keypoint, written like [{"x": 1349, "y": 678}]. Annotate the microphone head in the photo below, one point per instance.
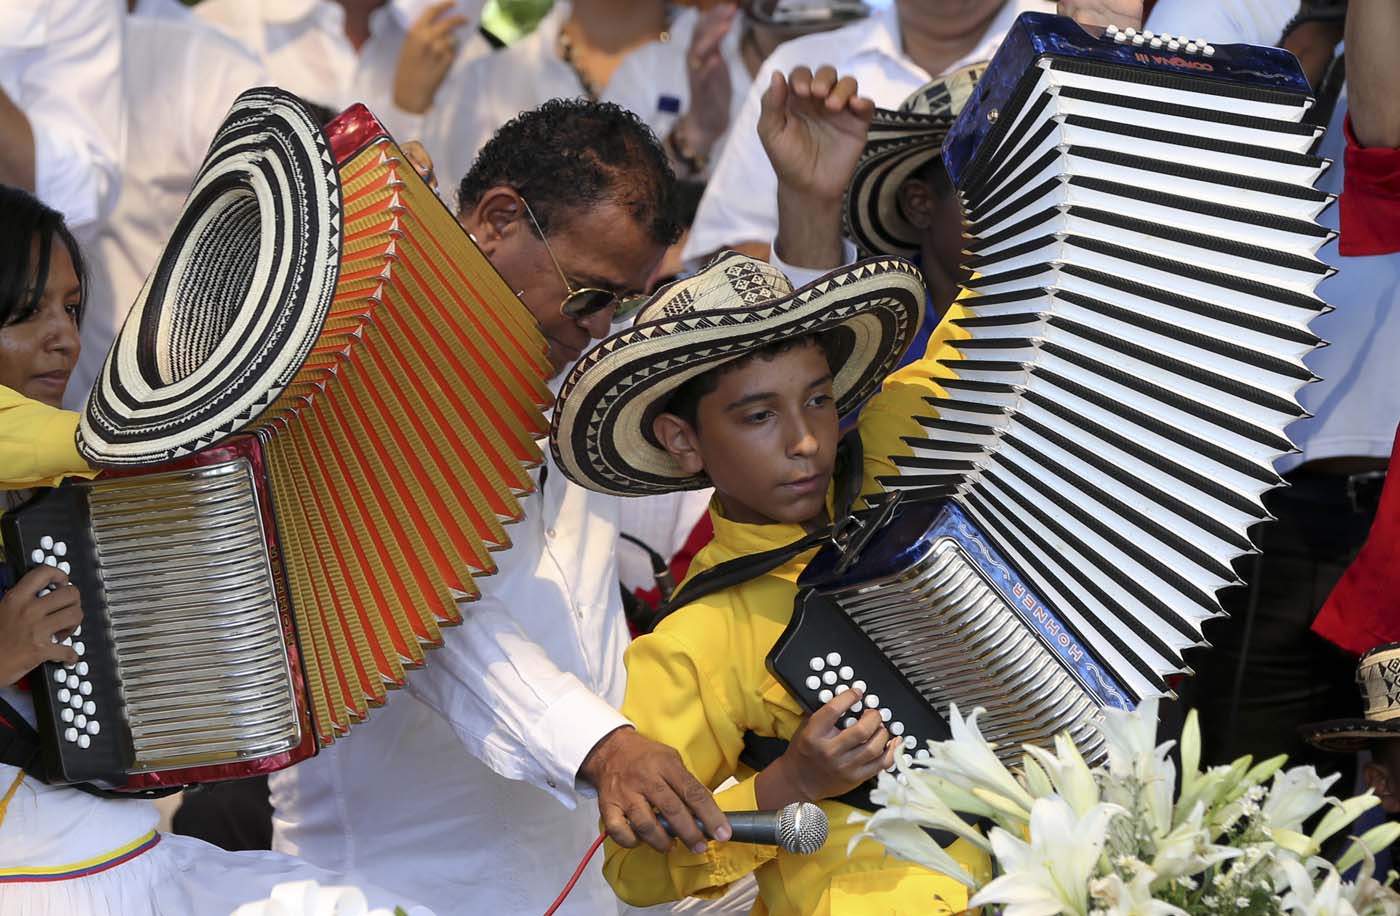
[{"x": 802, "y": 828}]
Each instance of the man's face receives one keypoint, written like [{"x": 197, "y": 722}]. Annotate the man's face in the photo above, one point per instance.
[
  {"x": 601, "y": 246},
  {"x": 766, "y": 437}
]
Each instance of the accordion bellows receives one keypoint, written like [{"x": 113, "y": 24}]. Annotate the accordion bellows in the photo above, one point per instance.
[
  {"x": 1140, "y": 227},
  {"x": 324, "y": 404}
]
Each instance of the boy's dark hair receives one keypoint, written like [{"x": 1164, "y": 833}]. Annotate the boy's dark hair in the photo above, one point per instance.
[
  {"x": 935, "y": 173},
  {"x": 685, "y": 400},
  {"x": 568, "y": 154},
  {"x": 27, "y": 221}
]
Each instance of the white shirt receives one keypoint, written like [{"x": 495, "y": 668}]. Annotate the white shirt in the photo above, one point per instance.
[
  {"x": 303, "y": 45},
  {"x": 1356, "y": 405},
  {"x": 181, "y": 77},
  {"x": 653, "y": 83},
  {"x": 461, "y": 791},
  {"x": 60, "y": 63},
  {"x": 740, "y": 202}
]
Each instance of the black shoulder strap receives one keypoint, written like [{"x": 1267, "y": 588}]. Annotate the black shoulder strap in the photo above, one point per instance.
[
  {"x": 19, "y": 742},
  {"x": 850, "y": 470}
]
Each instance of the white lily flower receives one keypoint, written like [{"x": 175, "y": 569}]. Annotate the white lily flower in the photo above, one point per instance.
[
  {"x": 914, "y": 799},
  {"x": 1306, "y": 899},
  {"x": 970, "y": 761},
  {"x": 1296, "y": 795},
  {"x": 1187, "y": 849},
  {"x": 1050, "y": 874},
  {"x": 908, "y": 841},
  {"x": 1068, "y": 772},
  {"x": 1115, "y": 897}
]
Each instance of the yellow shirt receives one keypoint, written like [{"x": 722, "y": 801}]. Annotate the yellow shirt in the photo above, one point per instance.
[
  {"x": 699, "y": 682},
  {"x": 37, "y": 445}
]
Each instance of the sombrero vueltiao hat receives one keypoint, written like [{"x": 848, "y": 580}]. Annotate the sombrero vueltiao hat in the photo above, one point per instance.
[
  {"x": 901, "y": 143},
  {"x": 601, "y": 435},
  {"x": 238, "y": 298},
  {"x": 1378, "y": 676}
]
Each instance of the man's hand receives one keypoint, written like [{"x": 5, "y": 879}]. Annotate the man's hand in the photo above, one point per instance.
[
  {"x": 636, "y": 778},
  {"x": 30, "y": 625},
  {"x": 422, "y": 163},
  {"x": 1122, "y": 13},
  {"x": 823, "y": 761},
  {"x": 813, "y": 128},
  {"x": 427, "y": 54},
  {"x": 711, "y": 89}
]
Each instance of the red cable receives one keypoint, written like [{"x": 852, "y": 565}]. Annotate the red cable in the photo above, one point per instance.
[{"x": 578, "y": 873}]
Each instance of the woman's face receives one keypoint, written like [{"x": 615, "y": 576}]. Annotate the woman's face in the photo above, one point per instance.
[{"x": 39, "y": 348}]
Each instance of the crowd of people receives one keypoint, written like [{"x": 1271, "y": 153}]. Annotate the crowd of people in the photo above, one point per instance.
[{"x": 645, "y": 161}]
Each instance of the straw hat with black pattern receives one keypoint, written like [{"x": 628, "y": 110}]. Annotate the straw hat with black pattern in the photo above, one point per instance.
[
  {"x": 901, "y": 143},
  {"x": 602, "y": 436},
  {"x": 1378, "y": 676}
]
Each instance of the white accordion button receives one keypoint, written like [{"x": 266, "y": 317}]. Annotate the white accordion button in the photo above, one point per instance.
[
  {"x": 846, "y": 673},
  {"x": 66, "y": 714},
  {"x": 84, "y": 741},
  {"x": 825, "y": 696},
  {"x": 61, "y": 549},
  {"x": 1174, "y": 45},
  {"x": 82, "y": 669},
  {"x": 833, "y": 658},
  {"x": 910, "y": 742},
  {"x": 64, "y": 567},
  {"x": 1155, "y": 42},
  {"x": 1190, "y": 47},
  {"x": 856, "y": 707},
  {"x": 37, "y": 556},
  {"x": 85, "y": 688},
  {"x": 896, "y": 728},
  {"x": 89, "y": 707},
  {"x": 921, "y": 754},
  {"x": 59, "y": 677},
  {"x": 842, "y": 688},
  {"x": 1208, "y": 50},
  {"x": 50, "y": 561},
  {"x": 63, "y": 695},
  {"x": 847, "y": 722},
  {"x": 80, "y": 720},
  {"x": 814, "y": 682},
  {"x": 46, "y": 542},
  {"x": 885, "y": 714},
  {"x": 79, "y": 648},
  {"x": 70, "y": 734},
  {"x": 872, "y": 701},
  {"x": 858, "y": 685},
  {"x": 817, "y": 663},
  {"x": 1139, "y": 41},
  {"x": 75, "y": 701},
  {"x": 829, "y": 677},
  {"x": 73, "y": 682},
  {"x": 92, "y": 727}
]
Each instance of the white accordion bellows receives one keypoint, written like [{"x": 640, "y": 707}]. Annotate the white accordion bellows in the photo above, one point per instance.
[{"x": 1144, "y": 256}]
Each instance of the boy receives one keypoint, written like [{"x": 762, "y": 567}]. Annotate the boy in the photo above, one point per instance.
[{"x": 733, "y": 380}]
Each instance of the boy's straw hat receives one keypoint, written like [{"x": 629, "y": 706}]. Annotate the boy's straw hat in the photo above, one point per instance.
[{"x": 1378, "y": 675}]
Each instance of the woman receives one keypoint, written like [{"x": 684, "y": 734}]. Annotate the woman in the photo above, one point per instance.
[{"x": 63, "y": 850}]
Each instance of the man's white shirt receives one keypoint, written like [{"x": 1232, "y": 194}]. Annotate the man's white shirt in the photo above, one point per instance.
[
  {"x": 181, "y": 76},
  {"x": 303, "y": 45},
  {"x": 461, "y": 791},
  {"x": 740, "y": 202},
  {"x": 60, "y": 63}
]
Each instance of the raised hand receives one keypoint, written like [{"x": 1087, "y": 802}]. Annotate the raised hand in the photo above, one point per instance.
[
  {"x": 636, "y": 778},
  {"x": 823, "y": 761},
  {"x": 711, "y": 89},
  {"x": 31, "y": 625},
  {"x": 427, "y": 54},
  {"x": 1122, "y": 13},
  {"x": 813, "y": 127}
]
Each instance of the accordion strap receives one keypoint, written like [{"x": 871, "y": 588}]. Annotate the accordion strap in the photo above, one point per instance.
[{"x": 850, "y": 469}]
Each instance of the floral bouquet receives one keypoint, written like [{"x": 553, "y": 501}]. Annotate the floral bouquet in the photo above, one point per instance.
[{"x": 1112, "y": 841}]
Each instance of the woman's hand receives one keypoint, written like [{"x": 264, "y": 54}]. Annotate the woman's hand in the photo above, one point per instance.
[
  {"x": 427, "y": 55},
  {"x": 823, "y": 761},
  {"x": 32, "y": 626}
]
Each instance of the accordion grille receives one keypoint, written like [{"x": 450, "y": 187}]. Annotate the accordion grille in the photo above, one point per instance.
[
  {"x": 189, "y": 590},
  {"x": 955, "y": 639}
]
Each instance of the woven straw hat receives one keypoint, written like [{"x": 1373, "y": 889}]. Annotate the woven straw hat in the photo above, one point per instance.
[
  {"x": 602, "y": 437},
  {"x": 1378, "y": 676},
  {"x": 900, "y": 143}
]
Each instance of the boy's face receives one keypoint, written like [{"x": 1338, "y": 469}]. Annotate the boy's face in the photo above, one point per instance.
[{"x": 766, "y": 437}]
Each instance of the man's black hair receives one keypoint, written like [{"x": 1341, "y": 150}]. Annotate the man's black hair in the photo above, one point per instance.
[
  {"x": 685, "y": 400},
  {"x": 569, "y": 154},
  {"x": 25, "y": 222}
]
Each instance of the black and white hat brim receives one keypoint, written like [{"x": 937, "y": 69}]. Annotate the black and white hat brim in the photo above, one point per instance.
[
  {"x": 602, "y": 437},
  {"x": 237, "y": 299}
]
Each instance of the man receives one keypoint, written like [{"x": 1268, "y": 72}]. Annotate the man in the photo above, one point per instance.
[
  {"x": 467, "y": 789},
  {"x": 892, "y": 53},
  {"x": 392, "y": 55},
  {"x": 61, "y": 104}
]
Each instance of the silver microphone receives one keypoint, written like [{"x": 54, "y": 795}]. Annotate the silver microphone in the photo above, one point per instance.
[{"x": 801, "y": 827}]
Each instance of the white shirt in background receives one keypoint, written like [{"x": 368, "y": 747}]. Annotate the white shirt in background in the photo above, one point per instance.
[
  {"x": 1356, "y": 405},
  {"x": 740, "y": 202},
  {"x": 461, "y": 791},
  {"x": 181, "y": 77},
  {"x": 653, "y": 83},
  {"x": 60, "y": 63},
  {"x": 302, "y": 43}
]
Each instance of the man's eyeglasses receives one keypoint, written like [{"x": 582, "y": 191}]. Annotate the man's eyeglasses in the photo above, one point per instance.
[{"x": 580, "y": 303}]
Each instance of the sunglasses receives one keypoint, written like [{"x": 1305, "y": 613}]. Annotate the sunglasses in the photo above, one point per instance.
[{"x": 589, "y": 300}]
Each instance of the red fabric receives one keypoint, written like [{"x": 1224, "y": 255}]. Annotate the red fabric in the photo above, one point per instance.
[
  {"x": 1363, "y": 611},
  {"x": 700, "y": 535},
  {"x": 1370, "y": 205}
]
